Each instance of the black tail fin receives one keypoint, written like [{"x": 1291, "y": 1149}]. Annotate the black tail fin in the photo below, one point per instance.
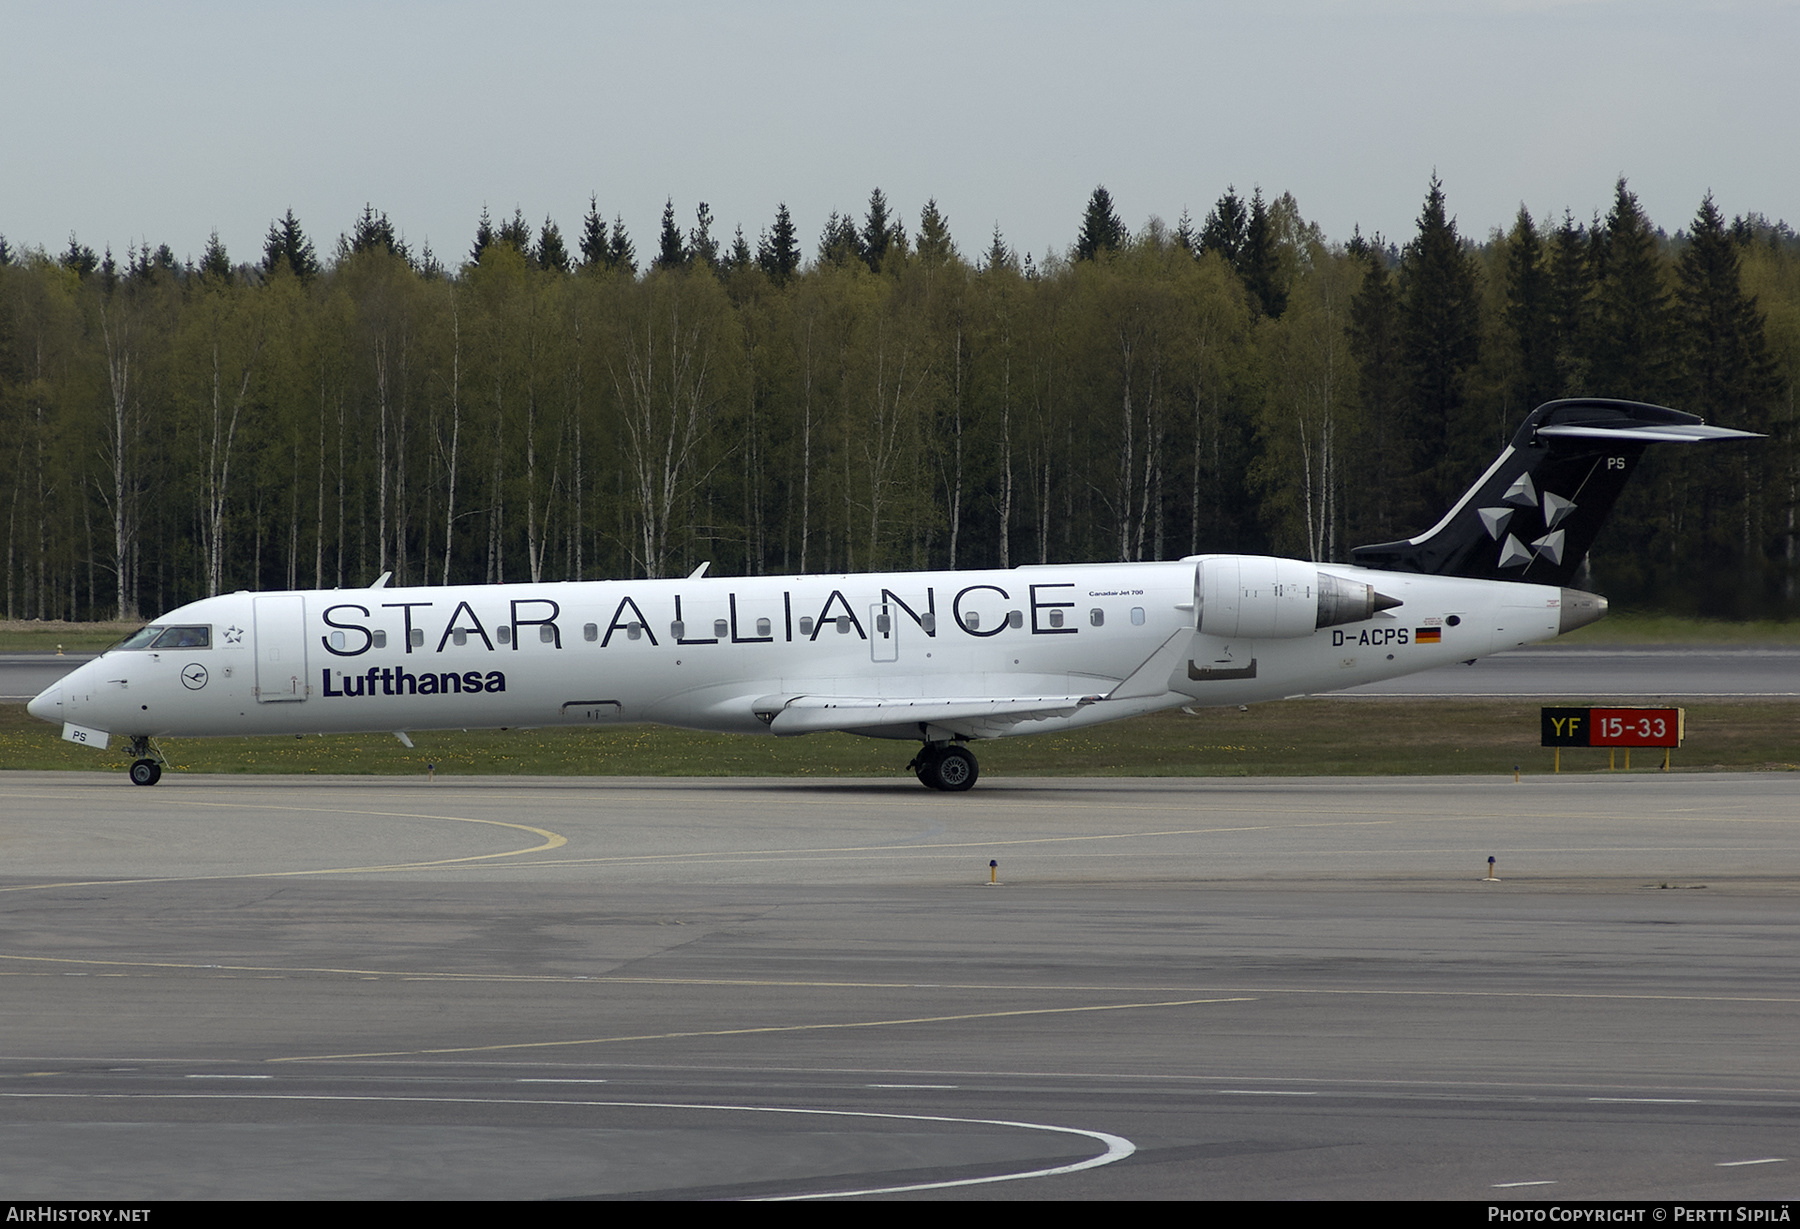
[{"x": 1534, "y": 514}]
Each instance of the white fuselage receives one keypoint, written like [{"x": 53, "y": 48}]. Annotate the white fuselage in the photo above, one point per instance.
[{"x": 905, "y": 655}]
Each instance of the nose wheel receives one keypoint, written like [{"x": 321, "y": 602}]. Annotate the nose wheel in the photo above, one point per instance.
[
  {"x": 146, "y": 768},
  {"x": 950, "y": 767}
]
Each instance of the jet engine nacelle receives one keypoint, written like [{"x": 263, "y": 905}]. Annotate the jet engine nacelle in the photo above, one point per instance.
[{"x": 1259, "y": 597}]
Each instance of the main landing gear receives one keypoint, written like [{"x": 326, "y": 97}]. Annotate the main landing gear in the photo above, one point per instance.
[
  {"x": 946, "y": 766},
  {"x": 147, "y": 762}
]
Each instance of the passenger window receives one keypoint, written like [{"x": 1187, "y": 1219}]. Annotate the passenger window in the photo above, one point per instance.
[
  {"x": 418, "y": 637},
  {"x": 881, "y": 624},
  {"x": 972, "y": 620},
  {"x": 1137, "y": 616},
  {"x": 590, "y": 631},
  {"x": 721, "y": 628},
  {"x": 337, "y": 640},
  {"x": 379, "y": 639},
  {"x": 1015, "y": 618},
  {"x": 546, "y": 634},
  {"x": 928, "y": 623},
  {"x": 459, "y": 637},
  {"x": 843, "y": 624},
  {"x": 764, "y": 627},
  {"x": 503, "y": 634},
  {"x": 1097, "y": 617},
  {"x": 678, "y": 629},
  {"x": 806, "y": 625},
  {"x": 1056, "y": 618},
  {"x": 634, "y": 631}
]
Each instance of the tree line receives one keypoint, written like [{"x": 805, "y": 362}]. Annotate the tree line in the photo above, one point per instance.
[{"x": 553, "y": 409}]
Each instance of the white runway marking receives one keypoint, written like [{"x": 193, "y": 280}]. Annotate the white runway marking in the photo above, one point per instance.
[
  {"x": 1117, "y": 1147},
  {"x": 936, "y": 1087},
  {"x": 1764, "y": 1160},
  {"x": 1650, "y": 1100}
]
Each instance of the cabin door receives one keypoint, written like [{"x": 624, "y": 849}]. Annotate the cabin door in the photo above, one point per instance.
[{"x": 281, "y": 648}]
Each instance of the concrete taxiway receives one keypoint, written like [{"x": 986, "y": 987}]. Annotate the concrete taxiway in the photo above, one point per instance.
[{"x": 266, "y": 987}]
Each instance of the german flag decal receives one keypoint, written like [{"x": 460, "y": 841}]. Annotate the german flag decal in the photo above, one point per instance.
[{"x": 1428, "y": 635}]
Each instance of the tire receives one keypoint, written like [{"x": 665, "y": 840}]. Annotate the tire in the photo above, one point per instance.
[
  {"x": 145, "y": 772},
  {"x": 955, "y": 769},
  {"x": 924, "y": 767}
]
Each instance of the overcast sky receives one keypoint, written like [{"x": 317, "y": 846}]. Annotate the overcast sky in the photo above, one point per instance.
[{"x": 132, "y": 122}]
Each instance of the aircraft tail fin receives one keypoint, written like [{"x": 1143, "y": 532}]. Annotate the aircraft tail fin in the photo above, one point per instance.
[{"x": 1534, "y": 514}]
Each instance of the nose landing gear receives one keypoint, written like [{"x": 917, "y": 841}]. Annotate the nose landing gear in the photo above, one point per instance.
[
  {"x": 147, "y": 762},
  {"x": 946, "y": 766}
]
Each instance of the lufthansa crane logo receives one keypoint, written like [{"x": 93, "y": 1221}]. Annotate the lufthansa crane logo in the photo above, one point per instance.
[{"x": 193, "y": 677}]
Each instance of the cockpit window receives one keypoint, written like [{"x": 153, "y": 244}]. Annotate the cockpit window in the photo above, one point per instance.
[
  {"x": 184, "y": 638},
  {"x": 141, "y": 638}
]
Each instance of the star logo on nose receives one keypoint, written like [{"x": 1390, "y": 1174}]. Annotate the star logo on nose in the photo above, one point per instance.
[{"x": 234, "y": 635}]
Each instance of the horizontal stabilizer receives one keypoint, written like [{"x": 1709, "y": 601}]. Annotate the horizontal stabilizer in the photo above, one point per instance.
[{"x": 1693, "y": 433}]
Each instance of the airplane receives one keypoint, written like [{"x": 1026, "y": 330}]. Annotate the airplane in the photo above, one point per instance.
[{"x": 941, "y": 658}]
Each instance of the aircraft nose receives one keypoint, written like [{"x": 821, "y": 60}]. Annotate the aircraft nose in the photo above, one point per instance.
[{"x": 48, "y": 704}]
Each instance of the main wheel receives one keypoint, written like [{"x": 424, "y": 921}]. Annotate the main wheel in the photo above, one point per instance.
[
  {"x": 145, "y": 772},
  {"x": 954, "y": 769},
  {"x": 924, "y": 766}
]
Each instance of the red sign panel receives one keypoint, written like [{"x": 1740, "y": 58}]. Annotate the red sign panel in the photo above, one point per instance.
[{"x": 1635, "y": 727}]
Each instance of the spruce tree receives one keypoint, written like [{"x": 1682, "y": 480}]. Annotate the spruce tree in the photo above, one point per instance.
[
  {"x": 550, "y": 254},
  {"x": 215, "y": 265},
  {"x": 1259, "y": 264},
  {"x": 999, "y": 255},
  {"x": 1571, "y": 286},
  {"x": 1101, "y": 229},
  {"x": 516, "y": 232},
  {"x": 839, "y": 243},
  {"x": 621, "y": 255},
  {"x": 430, "y": 267},
  {"x": 484, "y": 236},
  {"x": 1224, "y": 229},
  {"x": 1528, "y": 315},
  {"x": 880, "y": 232},
  {"x": 1726, "y": 371},
  {"x": 1632, "y": 325},
  {"x": 1735, "y": 507},
  {"x": 1440, "y": 339},
  {"x": 779, "y": 250},
  {"x": 740, "y": 257},
  {"x": 1185, "y": 235},
  {"x": 672, "y": 252},
  {"x": 594, "y": 249},
  {"x": 1382, "y": 388},
  {"x": 702, "y": 247},
  {"x": 80, "y": 258},
  {"x": 288, "y": 242},
  {"x": 935, "y": 245},
  {"x": 374, "y": 233}
]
